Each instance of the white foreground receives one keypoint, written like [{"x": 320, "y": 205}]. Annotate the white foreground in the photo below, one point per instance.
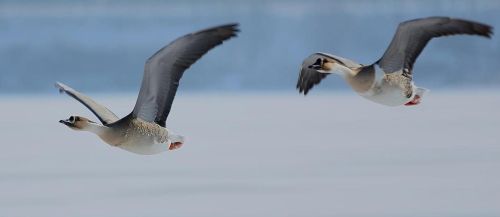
[{"x": 260, "y": 155}]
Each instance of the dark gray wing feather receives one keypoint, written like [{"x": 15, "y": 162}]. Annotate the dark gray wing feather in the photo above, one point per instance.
[
  {"x": 308, "y": 76},
  {"x": 412, "y": 36},
  {"x": 101, "y": 112},
  {"x": 165, "y": 68}
]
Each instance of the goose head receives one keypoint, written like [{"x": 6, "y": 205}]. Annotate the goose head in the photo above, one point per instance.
[
  {"x": 77, "y": 122},
  {"x": 322, "y": 65}
]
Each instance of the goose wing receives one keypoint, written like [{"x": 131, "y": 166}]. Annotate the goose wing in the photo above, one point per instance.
[
  {"x": 165, "y": 68},
  {"x": 412, "y": 36},
  {"x": 101, "y": 112}
]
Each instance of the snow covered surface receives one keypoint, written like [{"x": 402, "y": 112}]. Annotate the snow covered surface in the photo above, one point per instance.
[{"x": 260, "y": 155}]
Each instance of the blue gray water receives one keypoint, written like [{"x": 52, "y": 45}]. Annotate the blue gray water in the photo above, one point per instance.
[
  {"x": 248, "y": 155},
  {"x": 102, "y": 45}
]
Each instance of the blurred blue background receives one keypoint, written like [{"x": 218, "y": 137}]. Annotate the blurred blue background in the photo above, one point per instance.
[
  {"x": 101, "y": 46},
  {"x": 270, "y": 152}
]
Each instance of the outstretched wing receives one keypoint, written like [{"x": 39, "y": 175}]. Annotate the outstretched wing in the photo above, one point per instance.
[
  {"x": 309, "y": 77},
  {"x": 412, "y": 36},
  {"x": 104, "y": 114},
  {"x": 165, "y": 68}
]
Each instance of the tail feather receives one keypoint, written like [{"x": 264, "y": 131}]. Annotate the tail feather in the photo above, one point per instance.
[
  {"x": 421, "y": 91},
  {"x": 175, "y": 138}
]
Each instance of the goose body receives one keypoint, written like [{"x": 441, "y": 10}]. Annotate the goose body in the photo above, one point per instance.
[
  {"x": 388, "y": 89},
  {"x": 388, "y": 81},
  {"x": 143, "y": 131},
  {"x": 139, "y": 136},
  {"x": 384, "y": 90}
]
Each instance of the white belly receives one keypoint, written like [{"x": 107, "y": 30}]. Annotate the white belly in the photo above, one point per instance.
[
  {"x": 144, "y": 145},
  {"x": 140, "y": 137},
  {"x": 388, "y": 95}
]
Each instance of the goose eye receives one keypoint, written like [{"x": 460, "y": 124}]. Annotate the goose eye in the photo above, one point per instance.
[{"x": 72, "y": 119}]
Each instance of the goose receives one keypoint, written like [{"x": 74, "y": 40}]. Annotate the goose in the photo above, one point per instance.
[
  {"x": 143, "y": 130},
  {"x": 388, "y": 81}
]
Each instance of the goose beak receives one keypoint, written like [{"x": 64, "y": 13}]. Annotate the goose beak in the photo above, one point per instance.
[
  {"x": 315, "y": 66},
  {"x": 66, "y": 122}
]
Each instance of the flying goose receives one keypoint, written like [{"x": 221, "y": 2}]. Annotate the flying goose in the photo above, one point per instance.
[
  {"x": 143, "y": 130},
  {"x": 388, "y": 81}
]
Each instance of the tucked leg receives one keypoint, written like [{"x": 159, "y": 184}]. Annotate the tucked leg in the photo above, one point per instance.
[
  {"x": 175, "y": 145},
  {"x": 415, "y": 101}
]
